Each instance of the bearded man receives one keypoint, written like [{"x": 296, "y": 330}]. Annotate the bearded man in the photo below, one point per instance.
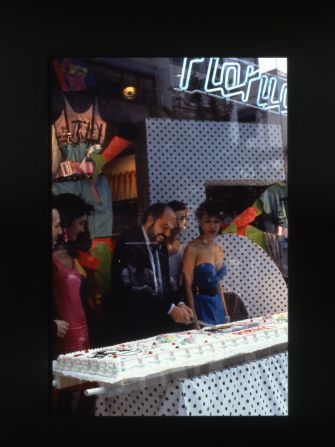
[{"x": 141, "y": 302}]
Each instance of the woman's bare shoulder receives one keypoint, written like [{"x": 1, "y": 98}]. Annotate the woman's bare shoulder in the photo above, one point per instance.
[
  {"x": 219, "y": 247},
  {"x": 192, "y": 246},
  {"x": 64, "y": 257}
]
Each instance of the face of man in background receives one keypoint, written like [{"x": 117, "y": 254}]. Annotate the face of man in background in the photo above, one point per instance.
[
  {"x": 160, "y": 229},
  {"x": 56, "y": 228},
  {"x": 181, "y": 217}
]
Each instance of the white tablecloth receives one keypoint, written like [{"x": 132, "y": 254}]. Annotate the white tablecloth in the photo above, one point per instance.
[{"x": 252, "y": 388}]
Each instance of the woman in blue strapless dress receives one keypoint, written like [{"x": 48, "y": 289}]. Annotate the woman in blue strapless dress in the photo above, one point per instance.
[
  {"x": 207, "y": 296},
  {"x": 204, "y": 269}
]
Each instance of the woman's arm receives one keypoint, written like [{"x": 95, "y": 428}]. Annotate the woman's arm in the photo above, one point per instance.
[
  {"x": 188, "y": 266},
  {"x": 224, "y": 301},
  {"x": 219, "y": 257}
]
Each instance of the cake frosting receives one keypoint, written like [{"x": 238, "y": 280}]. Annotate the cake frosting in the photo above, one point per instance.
[{"x": 167, "y": 352}]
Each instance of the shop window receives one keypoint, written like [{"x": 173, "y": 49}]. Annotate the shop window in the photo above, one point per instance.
[{"x": 235, "y": 199}]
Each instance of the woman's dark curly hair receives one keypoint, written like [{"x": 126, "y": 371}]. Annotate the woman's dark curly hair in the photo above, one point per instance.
[
  {"x": 176, "y": 205},
  {"x": 210, "y": 209},
  {"x": 70, "y": 208}
]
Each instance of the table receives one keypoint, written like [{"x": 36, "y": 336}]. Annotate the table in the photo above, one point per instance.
[
  {"x": 245, "y": 374},
  {"x": 250, "y": 385}
]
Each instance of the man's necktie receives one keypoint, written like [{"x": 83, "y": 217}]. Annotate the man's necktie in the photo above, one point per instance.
[{"x": 158, "y": 270}]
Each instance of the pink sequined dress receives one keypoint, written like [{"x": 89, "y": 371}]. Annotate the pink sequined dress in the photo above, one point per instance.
[{"x": 68, "y": 307}]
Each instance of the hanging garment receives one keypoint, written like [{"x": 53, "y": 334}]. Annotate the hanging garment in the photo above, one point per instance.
[
  {"x": 134, "y": 184},
  {"x": 75, "y": 127},
  {"x": 241, "y": 222},
  {"x": 130, "y": 182},
  {"x": 240, "y": 225},
  {"x": 102, "y": 249},
  {"x": 112, "y": 180},
  {"x": 73, "y": 74},
  {"x": 274, "y": 203},
  {"x": 55, "y": 152},
  {"x": 116, "y": 145},
  {"x": 125, "y": 184},
  {"x": 118, "y": 186}
]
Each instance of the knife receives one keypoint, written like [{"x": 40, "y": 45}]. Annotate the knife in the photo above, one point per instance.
[
  {"x": 202, "y": 323},
  {"x": 212, "y": 326}
]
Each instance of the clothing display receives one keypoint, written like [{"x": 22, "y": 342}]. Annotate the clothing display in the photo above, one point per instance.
[
  {"x": 274, "y": 205},
  {"x": 55, "y": 152},
  {"x": 114, "y": 148},
  {"x": 75, "y": 127},
  {"x": 123, "y": 185},
  {"x": 75, "y": 152},
  {"x": 73, "y": 74},
  {"x": 79, "y": 173},
  {"x": 68, "y": 307},
  {"x": 102, "y": 250},
  {"x": 241, "y": 226},
  {"x": 207, "y": 297}
]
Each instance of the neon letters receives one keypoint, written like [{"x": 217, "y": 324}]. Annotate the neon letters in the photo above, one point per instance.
[{"x": 236, "y": 81}]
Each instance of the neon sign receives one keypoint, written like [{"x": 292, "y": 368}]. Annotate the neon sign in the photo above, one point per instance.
[{"x": 242, "y": 83}]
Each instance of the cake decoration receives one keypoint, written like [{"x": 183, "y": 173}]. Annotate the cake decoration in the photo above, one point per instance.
[{"x": 167, "y": 352}]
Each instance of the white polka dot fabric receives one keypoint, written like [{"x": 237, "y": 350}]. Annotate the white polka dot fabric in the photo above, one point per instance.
[
  {"x": 255, "y": 388},
  {"x": 253, "y": 275},
  {"x": 185, "y": 154}
]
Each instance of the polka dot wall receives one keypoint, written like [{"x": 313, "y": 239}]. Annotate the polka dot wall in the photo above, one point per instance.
[
  {"x": 184, "y": 154},
  {"x": 254, "y": 276}
]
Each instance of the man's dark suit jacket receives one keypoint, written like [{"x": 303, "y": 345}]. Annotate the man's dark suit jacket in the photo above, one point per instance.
[{"x": 132, "y": 314}]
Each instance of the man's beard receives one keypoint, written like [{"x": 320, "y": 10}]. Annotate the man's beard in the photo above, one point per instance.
[{"x": 153, "y": 237}]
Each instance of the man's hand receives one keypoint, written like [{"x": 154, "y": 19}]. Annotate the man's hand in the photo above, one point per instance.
[
  {"x": 182, "y": 314},
  {"x": 191, "y": 314},
  {"x": 62, "y": 328},
  {"x": 188, "y": 310}
]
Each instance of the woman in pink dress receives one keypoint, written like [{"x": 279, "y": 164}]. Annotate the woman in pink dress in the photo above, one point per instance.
[
  {"x": 68, "y": 275},
  {"x": 67, "y": 281}
]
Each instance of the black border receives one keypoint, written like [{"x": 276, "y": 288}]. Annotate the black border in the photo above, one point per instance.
[{"x": 28, "y": 39}]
